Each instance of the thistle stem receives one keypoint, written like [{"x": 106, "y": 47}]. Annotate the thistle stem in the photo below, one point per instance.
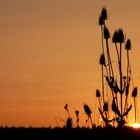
[
  {"x": 120, "y": 69},
  {"x": 127, "y": 66},
  {"x": 99, "y": 103},
  {"x": 135, "y": 110},
  {"x": 125, "y": 105},
  {"x": 103, "y": 83},
  {"x": 109, "y": 59},
  {"x": 102, "y": 39},
  {"x": 117, "y": 51}
]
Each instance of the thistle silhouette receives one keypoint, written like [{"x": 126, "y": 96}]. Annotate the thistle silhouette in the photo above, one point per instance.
[
  {"x": 69, "y": 118},
  {"x": 88, "y": 113},
  {"x": 120, "y": 106}
]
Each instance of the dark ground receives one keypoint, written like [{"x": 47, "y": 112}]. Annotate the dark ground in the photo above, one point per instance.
[{"x": 69, "y": 134}]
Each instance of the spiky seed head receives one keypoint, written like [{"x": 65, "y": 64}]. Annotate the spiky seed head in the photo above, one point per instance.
[
  {"x": 121, "y": 37},
  {"x": 101, "y": 21},
  {"x": 106, "y": 33},
  {"x": 98, "y": 93},
  {"x": 87, "y": 109},
  {"x": 102, "y": 59},
  {"x": 128, "y": 44},
  {"x": 104, "y": 13},
  {"x": 134, "y": 92},
  {"x": 105, "y": 106},
  {"x": 115, "y": 38}
]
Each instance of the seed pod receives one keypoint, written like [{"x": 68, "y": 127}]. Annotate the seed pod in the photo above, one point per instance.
[
  {"x": 101, "y": 21},
  {"x": 128, "y": 44},
  {"x": 104, "y": 14},
  {"x": 115, "y": 37},
  {"x": 98, "y": 93},
  {"x": 134, "y": 92},
  {"x": 105, "y": 106},
  {"x": 102, "y": 59},
  {"x": 106, "y": 33},
  {"x": 87, "y": 109},
  {"x": 120, "y": 36}
]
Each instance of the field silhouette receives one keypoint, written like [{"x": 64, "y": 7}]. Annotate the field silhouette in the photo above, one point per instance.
[{"x": 126, "y": 133}]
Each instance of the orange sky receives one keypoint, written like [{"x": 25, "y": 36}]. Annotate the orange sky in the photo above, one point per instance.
[{"x": 49, "y": 53}]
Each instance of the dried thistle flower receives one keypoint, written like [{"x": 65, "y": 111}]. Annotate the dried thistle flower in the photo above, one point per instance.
[
  {"x": 87, "y": 109},
  {"x": 102, "y": 59},
  {"x": 134, "y": 92},
  {"x": 128, "y": 44},
  {"x": 106, "y": 33},
  {"x": 115, "y": 37},
  {"x": 101, "y": 21},
  {"x": 98, "y": 93},
  {"x": 104, "y": 13},
  {"x": 121, "y": 37}
]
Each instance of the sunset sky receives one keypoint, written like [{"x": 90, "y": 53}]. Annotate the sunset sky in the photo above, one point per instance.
[{"x": 49, "y": 55}]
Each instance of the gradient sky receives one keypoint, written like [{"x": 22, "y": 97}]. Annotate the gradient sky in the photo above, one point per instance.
[{"x": 49, "y": 53}]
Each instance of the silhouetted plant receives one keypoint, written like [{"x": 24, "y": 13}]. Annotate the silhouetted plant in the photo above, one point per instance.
[
  {"x": 69, "y": 123},
  {"x": 117, "y": 88},
  {"x": 134, "y": 95},
  {"x": 88, "y": 113},
  {"x": 66, "y": 108},
  {"x": 69, "y": 119}
]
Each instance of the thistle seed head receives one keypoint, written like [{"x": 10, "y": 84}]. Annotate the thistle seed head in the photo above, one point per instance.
[
  {"x": 115, "y": 38},
  {"x": 98, "y": 93},
  {"x": 128, "y": 44},
  {"x": 102, "y": 59},
  {"x": 134, "y": 92},
  {"x": 104, "y": 13},
  {"x": 121, "y": 37},
  {"x": 106, "y": 33}
]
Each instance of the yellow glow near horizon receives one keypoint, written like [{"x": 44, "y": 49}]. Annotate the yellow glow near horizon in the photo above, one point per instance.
[{"x": 135, "y": 125}]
